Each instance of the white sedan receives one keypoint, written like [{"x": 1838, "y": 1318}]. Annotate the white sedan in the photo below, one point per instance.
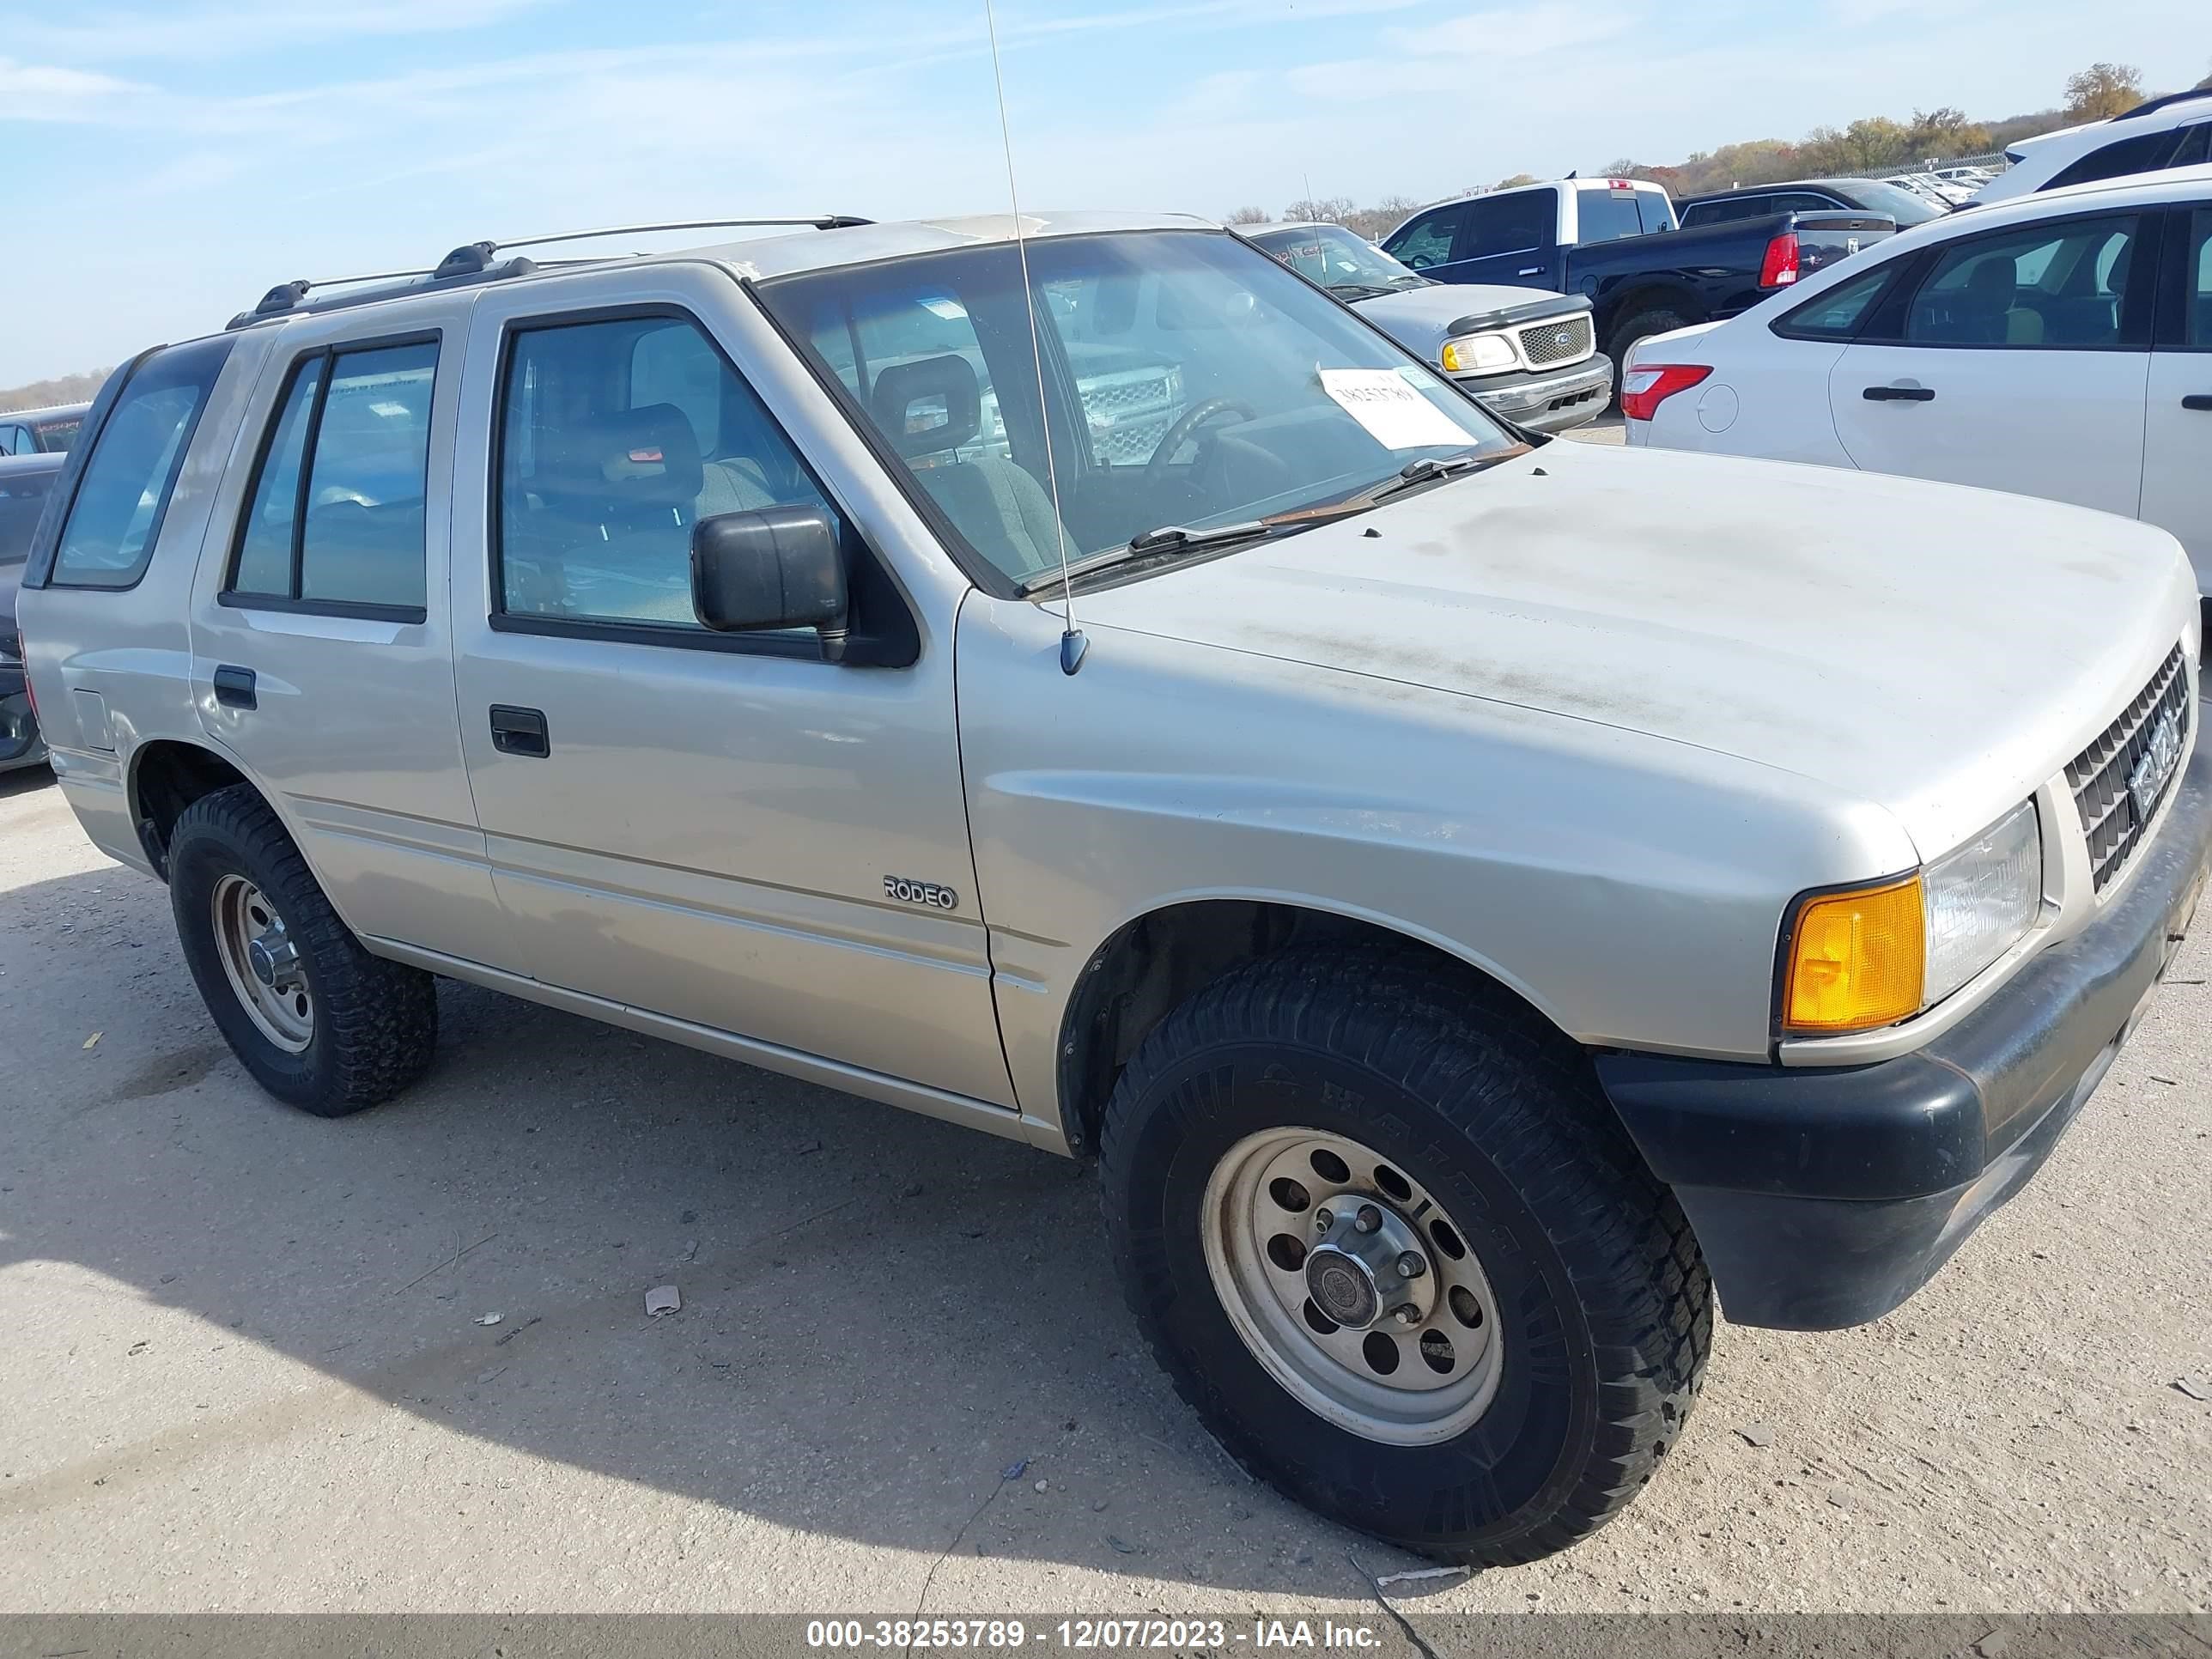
[{"x": 2059, "y": 346}]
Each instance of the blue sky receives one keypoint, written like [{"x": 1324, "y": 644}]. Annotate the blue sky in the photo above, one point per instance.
[{"x": 167, "y": 162}]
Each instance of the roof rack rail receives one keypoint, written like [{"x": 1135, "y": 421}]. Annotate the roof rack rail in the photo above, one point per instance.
[{"x": 477, "y": 262}]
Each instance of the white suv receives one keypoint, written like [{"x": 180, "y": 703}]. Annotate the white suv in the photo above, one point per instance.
[{"x": 2174, "y": 131}]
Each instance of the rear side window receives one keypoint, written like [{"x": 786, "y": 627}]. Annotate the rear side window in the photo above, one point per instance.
[
  {"x": 1839, "y": 313},
  {"x": 2139, "y": 155},
  {"x": 1518, "y": 223},
  {"x": 336, "y": 516},
  {"x": 123, "y": 492},
  {"x": 2197, "y": 290},
  {"x": 1605, "y": 214}
]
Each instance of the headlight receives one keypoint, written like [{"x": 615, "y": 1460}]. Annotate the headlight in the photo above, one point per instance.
[
  {"x": 1872, "y": 956},
  {"x": 1474, "y": 354},
  {"x": 1981, "y": 898}
]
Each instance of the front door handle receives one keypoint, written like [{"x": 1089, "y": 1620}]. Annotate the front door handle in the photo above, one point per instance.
[
  {"x": 2201, "y": 400},
  {"x": 1899, "y": 394},
  {"x": 234, "y": 687},
  {"x": 519, "y": 732}
]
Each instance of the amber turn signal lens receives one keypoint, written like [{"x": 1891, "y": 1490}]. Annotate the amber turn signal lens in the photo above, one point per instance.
[{"x": 1856, "y": 960}]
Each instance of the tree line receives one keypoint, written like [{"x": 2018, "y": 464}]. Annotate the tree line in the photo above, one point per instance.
[{"x": 1872, "y": 146}]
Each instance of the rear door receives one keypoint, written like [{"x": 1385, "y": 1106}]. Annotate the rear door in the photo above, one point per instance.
[
  {"x": 1512, "y": 237},
  {"x": 2177, "y": 483},
  {"x": 322, "y": 650},
  {"x": 2014, "y": 360}
]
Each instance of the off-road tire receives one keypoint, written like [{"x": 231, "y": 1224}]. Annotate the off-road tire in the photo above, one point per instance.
[
  {"x": 1642, "y": 326},
  {"x": 1607, "y": 1309},
  {"x": 376, "y": 1022}
]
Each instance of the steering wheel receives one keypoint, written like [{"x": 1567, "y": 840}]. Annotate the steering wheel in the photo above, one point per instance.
[{"x": 1197, "y": 415}]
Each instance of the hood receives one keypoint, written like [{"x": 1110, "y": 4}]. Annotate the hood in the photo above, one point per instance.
[
  {"x": 1422, "y": 319},
  {"x": 1938, "y": 651}
]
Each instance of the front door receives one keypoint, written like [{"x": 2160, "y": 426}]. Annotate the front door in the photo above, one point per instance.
[
  {"x": 2017, "y": 363},
  {"x": 2176, "y": 487},
  {"x": 726, "y": 830}
]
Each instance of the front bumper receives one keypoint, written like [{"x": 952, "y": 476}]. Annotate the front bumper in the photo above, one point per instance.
[
  {"x": 1546, "y": 400},
  {"x": 20, "y": 743},
  {"x": 1824, "y": 1198}
]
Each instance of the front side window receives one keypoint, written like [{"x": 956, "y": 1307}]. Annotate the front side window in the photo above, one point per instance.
[
  {"x": 2060, "y": 286},
  {"x": 336, "y": 517},
  {"x": 1288, "y": 408},
  {"x": 123, "y": 497},
  {"x": 616, "y": 438},
  {"x": 1426, "y": 241}
]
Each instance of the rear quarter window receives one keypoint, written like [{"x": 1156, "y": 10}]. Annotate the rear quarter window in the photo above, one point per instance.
[{"x": 122, "y": 496}]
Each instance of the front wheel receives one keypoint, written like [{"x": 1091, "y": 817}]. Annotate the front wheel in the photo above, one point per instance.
[{"x": 1389, "y": 1243}]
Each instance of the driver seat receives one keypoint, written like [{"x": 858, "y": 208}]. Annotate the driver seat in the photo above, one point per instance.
[{"x": 995, "y": 503}]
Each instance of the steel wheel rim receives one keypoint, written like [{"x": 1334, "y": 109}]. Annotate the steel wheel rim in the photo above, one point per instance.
[
  {"x": 1332, "y": 1373},
  {"x": 262, "y": 964}
]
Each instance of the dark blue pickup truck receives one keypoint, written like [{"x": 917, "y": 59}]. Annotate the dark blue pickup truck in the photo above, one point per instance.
[{"x": 1616, "y": 241}]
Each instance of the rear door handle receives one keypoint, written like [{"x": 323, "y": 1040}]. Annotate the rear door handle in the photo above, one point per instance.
[
  {"x": 519, "y": 732},
  {"x": 1899, "y": 394},
  {"x": 233, "y": 687},
  {"x": 2198, "y": 400}
]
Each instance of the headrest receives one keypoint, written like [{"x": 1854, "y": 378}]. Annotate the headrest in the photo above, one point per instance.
[
  {"x": 633, "y": 458},
  {"x": 929, "y": 405},
  {"x": 1995, "y": 276}
]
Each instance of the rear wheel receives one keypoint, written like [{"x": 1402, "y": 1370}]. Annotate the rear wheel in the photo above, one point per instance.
[
  {"x": 1388, "y": 1242},
  {"x": 321, "y": 1023}
]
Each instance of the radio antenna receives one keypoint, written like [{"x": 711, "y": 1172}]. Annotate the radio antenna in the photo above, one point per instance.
[{"x": 1072, "y": 642}]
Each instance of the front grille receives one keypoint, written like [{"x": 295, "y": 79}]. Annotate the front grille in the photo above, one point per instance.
[
  {"x": 2111, "y": 818},
  {"x": 1130, "y": 412},
  {"x": 1559, "y": 341}
]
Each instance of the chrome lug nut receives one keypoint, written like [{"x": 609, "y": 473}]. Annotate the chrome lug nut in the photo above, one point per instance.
[
  {"x": 1407, "y": 1315},
  {"x": 1323, "y": 1221},
  {"x": 1368, "y": 1220},
  {"x": 1409, "y": 1266}
]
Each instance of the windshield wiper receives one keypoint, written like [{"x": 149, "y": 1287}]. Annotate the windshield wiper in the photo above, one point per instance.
[
  {"x": 1159, "y": 539},
  {"x": 1426, "y": 469}
]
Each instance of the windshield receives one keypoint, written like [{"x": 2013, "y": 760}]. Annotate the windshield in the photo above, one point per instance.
[
  {"x": 1193, "y": 383},
  {"x": 1896, "y": 202},
  {"x": 55, "y": 436},
  {"x": 1337, "y": 258}
]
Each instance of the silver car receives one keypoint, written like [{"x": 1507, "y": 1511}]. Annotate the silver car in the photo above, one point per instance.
[{"x": 1474, "y": 896}]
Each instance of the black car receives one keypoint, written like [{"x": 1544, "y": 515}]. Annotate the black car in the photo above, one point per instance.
[
  {"x": 24, "y": 482},
  {"x": 1809, "y": 195}
]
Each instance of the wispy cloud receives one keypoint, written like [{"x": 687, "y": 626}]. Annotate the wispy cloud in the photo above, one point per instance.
[
  {"x": 45, "y": 92},
  {"x": 197, "y": 32}
]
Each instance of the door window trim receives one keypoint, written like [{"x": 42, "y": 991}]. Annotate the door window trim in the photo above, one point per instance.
[
  {"x": 2170, "y": 329},
  {"x": 1893, "y": 308},
  {"x": 499, "y": 620},
  {"x": 292, "y": 604}
]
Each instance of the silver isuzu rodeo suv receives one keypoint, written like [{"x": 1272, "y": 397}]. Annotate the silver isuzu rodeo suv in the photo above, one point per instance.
[{"x": 1477, "y": 896}]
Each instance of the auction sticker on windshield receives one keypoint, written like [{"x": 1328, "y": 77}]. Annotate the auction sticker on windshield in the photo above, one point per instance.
[{"x": 1394, "y": 413}]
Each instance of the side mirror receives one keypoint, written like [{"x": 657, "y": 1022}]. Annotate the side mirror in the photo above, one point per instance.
[{"x": 779, "y": 567}]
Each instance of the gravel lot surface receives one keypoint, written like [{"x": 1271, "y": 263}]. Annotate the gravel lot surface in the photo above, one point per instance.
[{"x": 248, "y": 1365}]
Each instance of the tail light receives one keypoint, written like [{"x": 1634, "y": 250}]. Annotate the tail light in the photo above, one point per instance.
[
  {"x": 1779, "y": 268},
  {"x": 1643, "y": 388}
]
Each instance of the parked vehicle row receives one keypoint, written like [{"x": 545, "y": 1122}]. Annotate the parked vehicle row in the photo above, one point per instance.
[
  {"x": 2058, "y": 345},
  {"x": 25, "y": 483},
  {"x": 1616, "y": 242},
  {"x": 1528, "y": 356},
  {"x": 1902, "y": 207},
  {"x": 1477, "y": 895}
]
